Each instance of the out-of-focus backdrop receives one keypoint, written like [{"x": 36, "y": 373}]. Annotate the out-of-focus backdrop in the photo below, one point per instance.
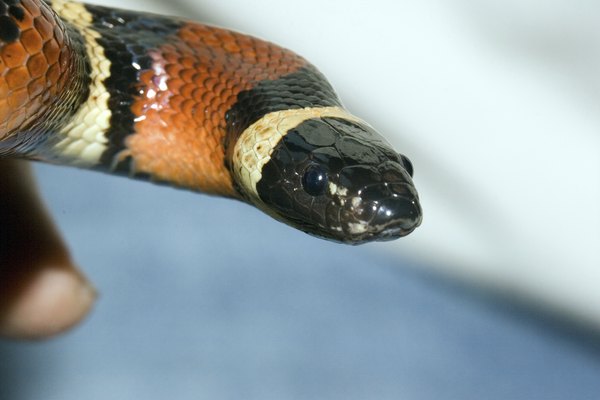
[{"x": 495, "y": 296}]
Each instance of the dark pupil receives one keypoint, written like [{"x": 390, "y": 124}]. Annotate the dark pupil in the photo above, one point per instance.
[
  {"x": 407, "y": 165},
  {"x": 314, "y": 180}
]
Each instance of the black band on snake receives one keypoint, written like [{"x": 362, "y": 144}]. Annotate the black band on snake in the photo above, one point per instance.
[{"x": 200, "y": 108}]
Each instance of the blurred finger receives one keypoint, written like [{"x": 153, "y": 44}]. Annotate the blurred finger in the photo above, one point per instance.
[{"x": 42, "y": 292}]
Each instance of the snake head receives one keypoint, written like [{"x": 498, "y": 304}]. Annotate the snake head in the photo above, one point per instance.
[{"x": 331, "y": 175}]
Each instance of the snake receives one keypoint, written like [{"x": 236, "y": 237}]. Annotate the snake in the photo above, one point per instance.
[{"x": 196, "y": 107}]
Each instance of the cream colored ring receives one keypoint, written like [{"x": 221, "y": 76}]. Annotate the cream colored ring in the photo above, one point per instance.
[
  {"x": 255, "y": 145},
  {"x": 83, "y": 137}
]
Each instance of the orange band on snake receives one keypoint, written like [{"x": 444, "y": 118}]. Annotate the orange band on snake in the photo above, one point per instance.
[{"x": 196, "y": 107}]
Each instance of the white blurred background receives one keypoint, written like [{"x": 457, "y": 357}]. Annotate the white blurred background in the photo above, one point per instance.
[{"x": 497, "y": 104}]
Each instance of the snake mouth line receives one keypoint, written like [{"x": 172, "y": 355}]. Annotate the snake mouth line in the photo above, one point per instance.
[
  {"x": 396, "y": 230},
  {"x": 385, "y": 233},
  {"x": 389, "y": 234}
]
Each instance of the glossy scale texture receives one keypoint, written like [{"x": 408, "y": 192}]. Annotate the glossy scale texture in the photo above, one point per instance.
[
  {"x": 43, "y": 71},
  {"x": 169, "y": 100}
]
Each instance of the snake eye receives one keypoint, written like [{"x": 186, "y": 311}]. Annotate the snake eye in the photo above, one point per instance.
[
  {"x": 407, "y": 165},
  {"x": 314, "y": 180}
]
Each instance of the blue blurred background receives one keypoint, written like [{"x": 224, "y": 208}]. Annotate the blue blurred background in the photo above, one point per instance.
[
  {"x": 207, "y": 298},
  {"x": 494, "y": 297}
]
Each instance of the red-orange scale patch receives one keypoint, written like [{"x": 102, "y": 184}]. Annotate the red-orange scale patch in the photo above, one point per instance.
[
  {"x": 180, "y": 113},
  {"x": 32, "y": 69}
]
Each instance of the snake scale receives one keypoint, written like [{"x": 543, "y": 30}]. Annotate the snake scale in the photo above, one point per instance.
[{"x": 200, "y": 108}]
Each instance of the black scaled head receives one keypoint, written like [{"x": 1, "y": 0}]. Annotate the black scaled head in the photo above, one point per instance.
[{"x": 338, "y": 179}]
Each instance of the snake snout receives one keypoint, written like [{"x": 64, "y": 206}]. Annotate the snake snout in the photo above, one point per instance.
[
  {"x": 384, "y": 211},
  {"x": 396, "y": 216}
]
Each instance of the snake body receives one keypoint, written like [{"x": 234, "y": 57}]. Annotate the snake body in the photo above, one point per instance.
[{"x": 200, "y": 108}]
